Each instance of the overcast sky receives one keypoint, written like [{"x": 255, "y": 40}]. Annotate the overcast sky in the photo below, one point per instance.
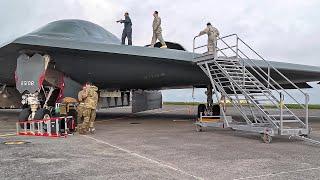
[{"x": 280, "y": 30}]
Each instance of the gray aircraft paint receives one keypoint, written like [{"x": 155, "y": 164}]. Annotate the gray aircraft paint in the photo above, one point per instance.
[{"x": 86, "y": 52}]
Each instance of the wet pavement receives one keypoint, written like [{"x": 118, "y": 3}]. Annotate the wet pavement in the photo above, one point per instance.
[{"x": 159, "y": 144}]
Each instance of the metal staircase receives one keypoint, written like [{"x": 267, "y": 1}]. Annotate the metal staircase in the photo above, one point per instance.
[{"x": 251, "y": 89}]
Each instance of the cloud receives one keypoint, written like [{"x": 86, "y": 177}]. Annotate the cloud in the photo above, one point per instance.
[{"x": 285, "y": 30}]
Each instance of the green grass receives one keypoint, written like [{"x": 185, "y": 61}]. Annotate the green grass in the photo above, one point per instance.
[
  {"x": 296, "y": 106},
  {"x": 290, "y": 106}
]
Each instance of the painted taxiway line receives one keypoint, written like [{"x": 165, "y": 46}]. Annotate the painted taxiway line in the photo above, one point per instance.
[
  {"x": 279, "y": 173},
  {"x": 7, "y": 135},
  {"x": 143, "y": 157}
]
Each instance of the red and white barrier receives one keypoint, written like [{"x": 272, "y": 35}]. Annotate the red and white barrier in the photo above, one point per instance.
[{"x": 53, "y": 127}]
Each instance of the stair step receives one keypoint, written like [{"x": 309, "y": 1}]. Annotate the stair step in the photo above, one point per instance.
[
  {"x": 287, "y": 121},
  {"x": 223, "y": 61},
  {"x": 228, "y": 65},
  {"x": 257, "y": 94},
  {"x": 255, "y": 90},
  {"x": 261, "y": 99},
  {"x": 252, "y": 89},
  {"x": 274, "y": 110},
  {"x": 251, "y": 86},
  {"x": 241, "y": 77},
  {"x": 250, "y": 94},
  {"x": 225, "y": 82},
  {"x": 255, "y": 99},
  {"x": 241, "y": 73},
  {"x": 233, "y": 70},
  {"x": 241, "y": 80},
  {"x": 219, "y": 78},
  {"x": 278, "y": 115}
]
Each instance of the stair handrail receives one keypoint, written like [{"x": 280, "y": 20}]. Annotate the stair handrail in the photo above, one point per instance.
[
  {"x": 269, "y": 65},
  {"x": 268, "y": 75},
  {"x": 305, "y": 106}
]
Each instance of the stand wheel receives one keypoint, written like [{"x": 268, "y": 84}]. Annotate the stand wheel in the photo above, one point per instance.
[
  {"x": 266, "y": 138},
  {"x": 199, "y": 128},
  {"x": 305, "y": 135},
  {"x": 201, "y": 109}
]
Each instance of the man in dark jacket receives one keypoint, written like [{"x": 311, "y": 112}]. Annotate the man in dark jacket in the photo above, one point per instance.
[{"x": 127, "y": 30}]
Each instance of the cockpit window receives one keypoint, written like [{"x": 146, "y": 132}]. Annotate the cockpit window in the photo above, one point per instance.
[
  {"x": 93, "y": 32},
  {"x": 78, "y": 29},
  {"x": 65, "y": 27}
]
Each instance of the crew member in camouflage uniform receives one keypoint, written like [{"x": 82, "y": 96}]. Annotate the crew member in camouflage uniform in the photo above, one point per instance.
[
  {"x": 157, "y": 31},
  {"x": 127, "y": 30},
  {"x": 93, "y": 93},
  {"x": 81, "y": 107},
  {"x": 90, "y": 98},
  {"x": 213, "y": 34}
]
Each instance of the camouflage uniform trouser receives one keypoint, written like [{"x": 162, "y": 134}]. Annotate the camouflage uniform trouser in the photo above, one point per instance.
[
  {"x": 80, "y": 110},
  {"x": 157, "y": 35},
  {"x": 212, "y": 49},
  {"x": 89, "y": 115}
]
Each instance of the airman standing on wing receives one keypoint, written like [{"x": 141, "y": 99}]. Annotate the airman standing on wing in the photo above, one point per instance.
[
  {"x": 90, "y": 98},
  {"x": 157, "y": 31},
  {"x": 213, "y": 35},
  {"x": 127, "y": 30}
]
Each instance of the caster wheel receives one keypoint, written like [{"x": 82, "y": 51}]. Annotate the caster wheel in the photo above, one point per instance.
[
  {"x": 199, "y": 128},
  {"x": 266, "y": 138}
]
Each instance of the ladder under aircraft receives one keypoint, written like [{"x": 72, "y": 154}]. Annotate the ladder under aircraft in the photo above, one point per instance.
[{"x": 251, "y": 89}]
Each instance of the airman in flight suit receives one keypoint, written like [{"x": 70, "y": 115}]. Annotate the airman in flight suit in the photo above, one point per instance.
[{"x": 127, "y": 30}]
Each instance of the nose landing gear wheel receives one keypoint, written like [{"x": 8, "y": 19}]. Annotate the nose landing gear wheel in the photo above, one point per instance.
[
  {"x": 24, "y": 116},
  {"x": 43, "y": 114}
]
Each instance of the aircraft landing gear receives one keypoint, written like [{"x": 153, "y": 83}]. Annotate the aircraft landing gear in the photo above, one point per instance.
[{"x": 37, "y": 105}]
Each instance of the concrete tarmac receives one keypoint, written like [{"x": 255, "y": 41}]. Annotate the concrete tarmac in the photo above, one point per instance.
[{"x": 158, "y": 144}]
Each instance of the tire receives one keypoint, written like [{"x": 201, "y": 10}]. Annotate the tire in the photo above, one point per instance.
[
  {"x": 42, "y": 114},
  {"x": 24, "y": 116},
  {"x": 201, "y": 109}
]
